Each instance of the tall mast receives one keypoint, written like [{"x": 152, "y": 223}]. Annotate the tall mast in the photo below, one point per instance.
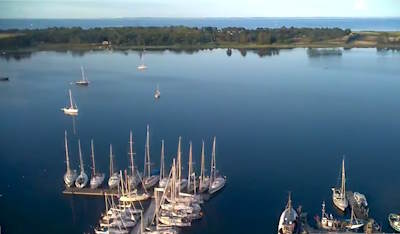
[
  {"x": 111, "y": 162},
  {"x": 179, "y": 158},
  {"x": 213, "y": 164},
  {"x": 70, "y": 99},
  {"x": 190, "y": 166},
  {"x": 147, "y": 150},
  {"x": 80, "y": 156},
  {"x": 162, "y": 166},
  {"x": 131, "y": 153},
  {"x": 83, "y": 73},
  {"x": 289, "y": 204},
  {"x": 67, "y": 153},
  {"x": 343, "y": 188},
  {"x": 173, "y": 185},
  {"x": 202, "y": 166},
  {"x": 93, "y": 163}
]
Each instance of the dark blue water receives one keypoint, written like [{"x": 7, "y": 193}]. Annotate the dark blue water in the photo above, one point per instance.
[
  {"x": 282, "y": 123},
  {"x": 356, "y": 24}
]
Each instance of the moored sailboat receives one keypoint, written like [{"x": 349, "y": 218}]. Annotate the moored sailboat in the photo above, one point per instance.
[
  {"x": 163, "y": 180},
  {"x": 70, "y": 175},
  {"x": 217, "y": 181},
  {"x": 82, "y": 179},
  {"x": 142, "y": 66},
  {"x": 84, "y": 81},
  {"x": 97, "y": 177},
  {"x": 204, "y": 181},
  {"x": 157, "y": 93},
  {"x": 148, "y": 179},
  {"x": 339, "y": 194},
  {"x": 133, "y": 178},
  {"x": 72, "y": 109},
  {"x": 394, "y": 221},
  {"x": 288, "y": 219},
  {"x": 114, "y": 179}
]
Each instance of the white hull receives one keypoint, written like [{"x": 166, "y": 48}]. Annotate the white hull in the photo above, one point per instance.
[
  {"x": 97, "y": 180},
  {"x": 216, "y": 185},
  {"x": 142, "y": 67},
  {"x": 163, "y": 182},
  {"x": 287, "y": 221},
  {"x": 70, "y": 111},
  {"x": 82, "y": 180},
  {"x": 113, "y": 181},
  {"x": 174, "y": 221},
  {"x": 70, "y": 177},
  {"x": 340, "y": 201},
  {"x": 133, "y": 197}
]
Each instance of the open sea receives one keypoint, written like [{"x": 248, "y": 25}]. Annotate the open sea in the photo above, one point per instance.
[{"x": 283, "y": 121}]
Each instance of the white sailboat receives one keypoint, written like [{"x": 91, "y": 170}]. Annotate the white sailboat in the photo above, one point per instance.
[
  {"x": 131, "y": 195},
  {"x": 148, "y": 180},
  {"x": 114, "y": 179},
  {"x": 204, "y": 181},
  {"x": 133, "y": 178},
  {"x": 288, "y": 219},
  {"x": 72, "y": 109},
  {"x": 339, "y": 194},
  {"x": 142, "y": 66},
  {"x": 354, "y": 222},
  {"x": 82, "y": 179},
  {"x": 157, "y": 93},
  {"x": 84, "y": 81},
  {"x": 191, "y": 175},
  {"x": 163, "y": 180},
  {"x": 70, "y": 175},
  {"x": 97, "y": 177},
  {"x": 217, "y": 181}
]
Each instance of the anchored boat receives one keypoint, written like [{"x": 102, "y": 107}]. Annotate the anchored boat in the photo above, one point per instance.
[
  {"x": 217, "y": 181},
  {"x": 114, "y": 179},
  {"x": 72, "y": 109},
  {"x": 84, "y": 81},
  {"x": 148, "y": 179},
  {"x": 142, "y": 66},
  {"x": 97, "y": 177},
  {"x": 288, "y": 220},
  {"x": 394, "y": 221},
  {"x": 204, "y": 181},
  {"x": 339, "y": 194},
  {"x": 82, "y": 179},
  {"x": 157, "y": 93},
  {"x": 70, "y": 175}
]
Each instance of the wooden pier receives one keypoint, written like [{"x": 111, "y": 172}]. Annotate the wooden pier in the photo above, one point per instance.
[{"x": 90, "y": 192}]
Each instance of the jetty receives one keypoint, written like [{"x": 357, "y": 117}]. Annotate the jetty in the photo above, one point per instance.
[{"x": 90, "y": 191}]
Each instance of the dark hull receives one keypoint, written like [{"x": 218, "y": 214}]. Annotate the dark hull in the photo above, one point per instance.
[{"x": 4, "y": 79}]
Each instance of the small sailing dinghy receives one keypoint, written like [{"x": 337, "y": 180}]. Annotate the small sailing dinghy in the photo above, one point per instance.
[
  {"x": 394, "y": 221},
  {"x": 148, "y": 179},
  {"x": 157, "y": 93},
  {"x": 114, "y": 179},
  {"x": 82, "y": 179},
  {"x": 288, "y": 220},
  {"x": 72, "y": 109},
  {"x": 97, "y": 178},
  {"x": 84, "y": 81},
  {"x": 70, "y": 175},
  {"x": 354, "y": 222},
  {"x": 142, "y": 66},
  {"x": 217, "y": 181},
  {"x": 339, "y": 194}
]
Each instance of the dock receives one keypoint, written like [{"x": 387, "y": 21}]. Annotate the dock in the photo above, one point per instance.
[
  {"x": 90, "y": 191},
  {"x": 360, "y": 211}
]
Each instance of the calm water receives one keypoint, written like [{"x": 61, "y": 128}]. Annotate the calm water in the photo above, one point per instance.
[
  {"x": 282, "y": 123},
  {"x": 376, "y": 24}
]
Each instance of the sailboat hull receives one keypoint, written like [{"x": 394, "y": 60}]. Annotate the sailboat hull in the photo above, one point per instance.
[
  {"x": 113, "y": 181},
  {"x": 151, "y": 181},
  {"x": 338, "y": 201},
  {"x": 96, "y": 180},
  {"x": 69, "y": 178},
  {"x": 82, "y": 180},
  {"x": 217, "y": 185}
]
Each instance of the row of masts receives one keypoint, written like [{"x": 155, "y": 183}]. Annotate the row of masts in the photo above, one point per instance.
[{"x": 191, "y": 183}]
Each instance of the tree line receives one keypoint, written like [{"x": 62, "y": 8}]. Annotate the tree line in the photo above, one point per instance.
[{"x": 168, "y": 36}]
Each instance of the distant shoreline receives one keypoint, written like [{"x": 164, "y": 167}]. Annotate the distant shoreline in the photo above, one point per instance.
[{"x": 192, "y": 38}]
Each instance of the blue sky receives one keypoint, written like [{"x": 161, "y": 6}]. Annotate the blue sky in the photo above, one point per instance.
[{"x": 197, "y": 8}]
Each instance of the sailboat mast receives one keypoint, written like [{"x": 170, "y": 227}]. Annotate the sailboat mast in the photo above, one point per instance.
[
  {"x": 111, "y": 162},
  {"x": 70, "y": 99},
  {"x": 131, "y": 153},
  {"x": 67, "y": 153},
  {"x": 80, "y": 156},
  {"x": 179, "y": 163},
  {"x": 190, "y": 166},
  {"x": 213, "y": 164},
  {"x": 202, "y": 165},
  {"x": 93, "y": 163},
  {"x": 162, "y": 166},
  {"x": 173, "y": 183},
  {"x": 83, "y": 73},
  {"x": 148, "y": 153},
  {"x": 343, "y": 188}
]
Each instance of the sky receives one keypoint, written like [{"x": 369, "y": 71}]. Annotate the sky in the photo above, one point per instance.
[{"x": 197, "y": 8}]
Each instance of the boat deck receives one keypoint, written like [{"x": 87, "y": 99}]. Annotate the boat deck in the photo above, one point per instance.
[
  {"x": 147, "y": 217},
  {"x": 359, "y": 211},
  {"x": 90, "y": 192}
]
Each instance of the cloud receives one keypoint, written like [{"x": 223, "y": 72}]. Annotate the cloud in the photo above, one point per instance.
[{"x": 360, "y": 5}]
